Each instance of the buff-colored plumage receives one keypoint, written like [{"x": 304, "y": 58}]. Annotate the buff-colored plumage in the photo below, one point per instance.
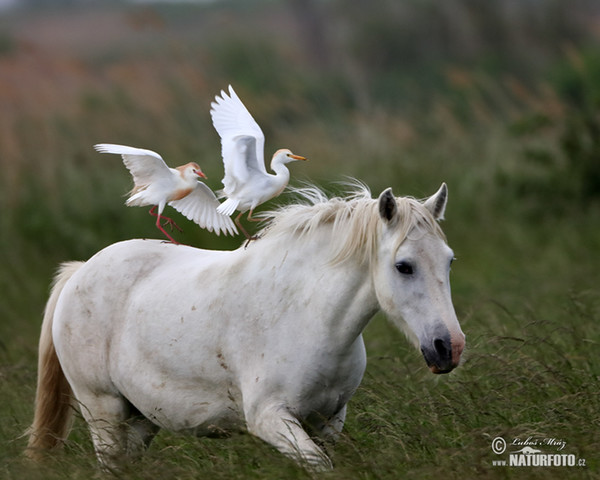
[{"x": 158, "y": 185}]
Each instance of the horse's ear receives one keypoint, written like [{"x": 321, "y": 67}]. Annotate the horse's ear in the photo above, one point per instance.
[
  {"x": 388, "y": 208},
  {"x": 436, "y": 204}
]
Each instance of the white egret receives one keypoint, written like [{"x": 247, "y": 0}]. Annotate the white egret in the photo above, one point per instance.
[
  {"x": 158, "y": 185},
  {"x": 246, "y": 181}
]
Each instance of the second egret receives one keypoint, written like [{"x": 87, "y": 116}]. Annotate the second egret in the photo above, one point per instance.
[{"x": 246, "y": 182}]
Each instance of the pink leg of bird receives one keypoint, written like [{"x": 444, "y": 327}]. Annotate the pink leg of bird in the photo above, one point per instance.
[
  {"x": 171, "y": 223},
  {"x": 252, "y": 219},
  {"x": 168, "y": 221},
  {"x": 249, "y": 237}
]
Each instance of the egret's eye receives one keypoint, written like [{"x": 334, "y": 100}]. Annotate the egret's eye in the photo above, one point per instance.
[{"x": 404, "y": 268}]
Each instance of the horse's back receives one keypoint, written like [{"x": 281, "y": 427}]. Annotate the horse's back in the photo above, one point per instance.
[
  {"x": 125, "y": 283},
  {"x": 102, "y": 287}
]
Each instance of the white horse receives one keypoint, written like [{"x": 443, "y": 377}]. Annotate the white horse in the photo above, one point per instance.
[{"x": 148, "y": 335}]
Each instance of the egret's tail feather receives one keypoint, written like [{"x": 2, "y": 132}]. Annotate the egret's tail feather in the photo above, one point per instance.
[{"x": 228, "y": 207}]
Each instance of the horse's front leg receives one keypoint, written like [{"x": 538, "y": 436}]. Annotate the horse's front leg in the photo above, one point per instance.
[{"x": 277, "y": 426}]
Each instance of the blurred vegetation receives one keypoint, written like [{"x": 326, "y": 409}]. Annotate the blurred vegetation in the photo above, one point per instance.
[
  {"x": 500, "y": 99},
  {"x": 562, "y": 152}
]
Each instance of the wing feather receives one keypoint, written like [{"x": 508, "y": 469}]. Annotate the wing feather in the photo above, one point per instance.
[
  {"x": 145, "y": 166},
  {"x": 200, "y": 206},
  {"x": 233, "y": 122}
]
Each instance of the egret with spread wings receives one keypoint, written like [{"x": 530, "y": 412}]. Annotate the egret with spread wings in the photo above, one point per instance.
[
  {"x": 158, "y": 185},
  {"x": 246, "y": 181}
]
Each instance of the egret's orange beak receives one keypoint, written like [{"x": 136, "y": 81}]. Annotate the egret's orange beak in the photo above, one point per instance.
[
  {"x": 298, "y": 157},
  {"x": 200, "y": 173}
]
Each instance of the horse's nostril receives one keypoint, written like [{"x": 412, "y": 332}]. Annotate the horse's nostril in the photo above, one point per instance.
[{"x": 442, "y": 348}]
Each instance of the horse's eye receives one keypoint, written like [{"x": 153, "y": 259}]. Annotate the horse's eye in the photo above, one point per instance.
[{"x": 404, "y": 268}]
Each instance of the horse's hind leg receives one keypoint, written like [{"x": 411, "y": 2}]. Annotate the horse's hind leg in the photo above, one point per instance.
[{"x": 118, "y": 432}]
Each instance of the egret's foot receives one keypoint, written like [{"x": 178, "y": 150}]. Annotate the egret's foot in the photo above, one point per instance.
[
  {"x": 249, "y": 239},
  {"x": 171, "y": 223}
]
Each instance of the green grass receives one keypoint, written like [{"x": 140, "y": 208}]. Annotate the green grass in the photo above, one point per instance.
[{"x": 525, "y": 285}]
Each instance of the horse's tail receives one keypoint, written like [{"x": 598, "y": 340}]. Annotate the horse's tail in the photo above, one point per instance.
[{"x": 53, "y": 413}]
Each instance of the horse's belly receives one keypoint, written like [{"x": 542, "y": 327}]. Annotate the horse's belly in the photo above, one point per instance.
[{"x": 181, "y": 407}]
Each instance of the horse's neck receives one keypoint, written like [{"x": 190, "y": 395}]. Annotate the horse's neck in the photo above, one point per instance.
[{"x": 341, "y": 296}]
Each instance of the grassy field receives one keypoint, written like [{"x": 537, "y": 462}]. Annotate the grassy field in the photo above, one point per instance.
[{"x": 505, "y": 111}]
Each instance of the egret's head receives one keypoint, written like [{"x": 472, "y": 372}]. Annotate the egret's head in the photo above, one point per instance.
[
  {"x": 191, "y": 171},
  {"x": 285, "y": 156}
]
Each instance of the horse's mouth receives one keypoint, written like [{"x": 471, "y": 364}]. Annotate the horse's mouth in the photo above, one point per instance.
[{"x": 438, "y": 371}]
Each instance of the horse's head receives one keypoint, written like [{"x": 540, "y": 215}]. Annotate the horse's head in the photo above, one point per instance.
[{"x": 411, "y": 277}]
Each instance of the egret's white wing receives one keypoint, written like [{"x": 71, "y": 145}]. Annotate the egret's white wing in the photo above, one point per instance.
[
  {"x": 232, "y": 121},
  {"x": 145, "y": 166},
  {"x": 200, "y": 206},
  {"x": 242, "y": 166}
]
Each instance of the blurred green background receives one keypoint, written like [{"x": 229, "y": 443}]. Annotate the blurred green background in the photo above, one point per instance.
[{"x": 500, "y": 99}]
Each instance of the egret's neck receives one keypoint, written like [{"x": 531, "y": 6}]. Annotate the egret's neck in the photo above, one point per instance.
[
  {"x": 280, "y": 169},
  {"x": 281, "y": 177}
]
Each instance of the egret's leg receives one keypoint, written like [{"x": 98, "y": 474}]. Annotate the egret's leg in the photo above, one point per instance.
[
  {"x": 252, "y": 219},
  {"x": 171, "y": 223},
  {"x": 240, "y": 226},
  {"x": 159, "y": 226},
  {"x": 164, "y": 231},
  {"x": 277, "y": 426},
  {"x": 167, "y": 220}
]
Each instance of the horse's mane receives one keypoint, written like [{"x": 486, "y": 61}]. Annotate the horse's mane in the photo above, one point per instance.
[{"x": 354, "y": 219}]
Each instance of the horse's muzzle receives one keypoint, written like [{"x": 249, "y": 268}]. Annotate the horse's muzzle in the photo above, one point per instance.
[{"x": 442, "y": 356}]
